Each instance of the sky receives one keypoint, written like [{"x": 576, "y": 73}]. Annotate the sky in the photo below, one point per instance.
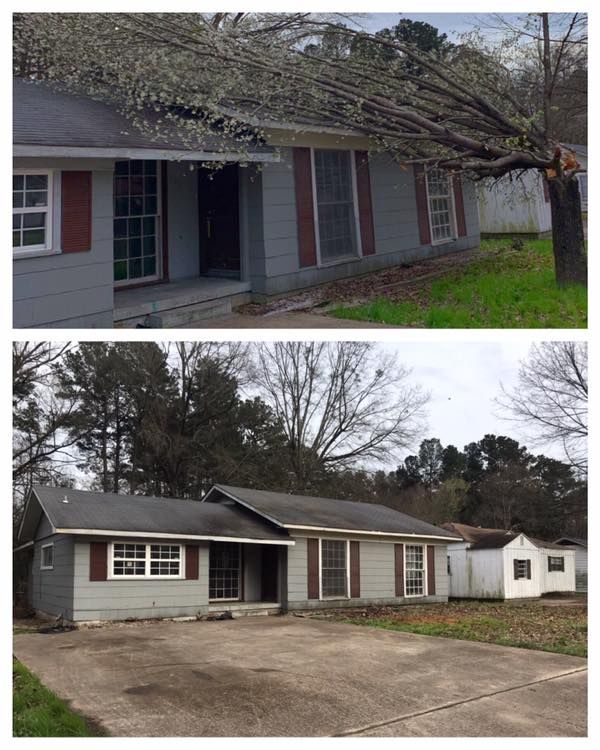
[{"x": 451, "y": 24}]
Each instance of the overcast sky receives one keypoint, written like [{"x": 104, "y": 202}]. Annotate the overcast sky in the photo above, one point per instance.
[{"x": 452, "y": 24}]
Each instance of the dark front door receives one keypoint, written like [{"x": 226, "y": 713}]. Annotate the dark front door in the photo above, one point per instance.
[
  {"x": 269, "y": 576},
  {"x": 218, "y": 211}
]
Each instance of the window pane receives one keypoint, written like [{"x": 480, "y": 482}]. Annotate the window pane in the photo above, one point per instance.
[
  {"x": 121, "y": 206},
  {"x": 120, "y": 227},
  {"x": 37, "y": 198},
  {"x": 34, "y": 220},
  {"x": 18, "y": 199},
  {"x": 36, "y": 182},
  {"x": 120, "y": 270},
  {"x": 149, "y": 266},
  {"x": 135, "y": 247},
  {"x": 33, "y": 237},
  {"x": 17, "y": 221},
  {"x": 135, "y": 269},
  {"x": 16, "y": 239},
  {"x": 122, "y": 168},
  {"x": 120, "y": 249},
  {"x": 18, "y": 181}
]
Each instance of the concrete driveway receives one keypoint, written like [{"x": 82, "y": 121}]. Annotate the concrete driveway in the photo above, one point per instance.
[{"x": 289, "y": 676}]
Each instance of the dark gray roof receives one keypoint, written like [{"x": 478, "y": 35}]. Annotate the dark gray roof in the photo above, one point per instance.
[
  {"x": 136, "y": 513},
  {"x": 323, "y": 512},
  {"x": 45, "y": 115},
  {"x": 482, "y": 538}
]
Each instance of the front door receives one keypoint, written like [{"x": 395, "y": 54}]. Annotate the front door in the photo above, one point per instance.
[
  {"x": 218, "y": 211},
  {"x": 269, "y": 577}
]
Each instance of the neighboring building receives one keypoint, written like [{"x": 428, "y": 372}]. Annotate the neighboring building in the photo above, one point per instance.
[
  {"x": 579, "y": 546},
  {"x": 110, "y": 226},
  {"x": 94, "y": 556},
  {"x": 498, "y": 564},
  {"x": 513, "y": 206}
]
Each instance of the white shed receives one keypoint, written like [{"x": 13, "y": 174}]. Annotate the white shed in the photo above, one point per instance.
[
  {"x": 498, "y": 564},
  {"x": 579, "y": 546}
]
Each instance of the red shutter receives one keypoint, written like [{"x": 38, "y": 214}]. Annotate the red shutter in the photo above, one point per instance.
[
  {"x": 365, "y": 204},
  {"x": 355, "y": 570},
  {"x": 459, "y": 207},
  {"x": 312, "y": 554},
  {"x": 399, "y": 568},
  {"x": 76, "y": 220},
  {"x": 422, "y": 205},
  {"x": 98, "y": 561},
  {"x": 191, "y": 562},
  {"x": 305, "y": 210},
  {"x": 430, "y": 570}
]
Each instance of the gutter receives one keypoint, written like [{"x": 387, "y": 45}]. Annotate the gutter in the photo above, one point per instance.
[
  {"x": 158, "y": 535},
  {"x": 85, "y": 152}
]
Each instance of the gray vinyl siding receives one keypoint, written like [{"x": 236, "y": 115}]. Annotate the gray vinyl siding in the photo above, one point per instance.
[
  {"x": 51, "y": 591},
  {"x": 182, "y": 206},
  {"x": 120, "y": 600},
  {"x": 394, "y": 218},
  {"x": 251, "y": 226},
  {"x": 69, "y": 290},
  {"x": 377, "y": 575}
]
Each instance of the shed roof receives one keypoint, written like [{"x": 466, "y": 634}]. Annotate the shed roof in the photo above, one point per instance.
[
  {"x": 571, "y": 540},
  {"x": 46, "y": 115},
  {"x": 484, "y": 538},
  {"x": 76, "y": 510},
  {"x": 302, "y": 511}
]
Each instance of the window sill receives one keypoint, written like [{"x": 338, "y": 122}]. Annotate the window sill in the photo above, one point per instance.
[
  {"x": 145, "y": 578},
  {"x": 339, "y": 261},
  {"x": 47, "y": 567},
  {"x": 435, "y": 243},
  {"x": 38, "y": 253}
]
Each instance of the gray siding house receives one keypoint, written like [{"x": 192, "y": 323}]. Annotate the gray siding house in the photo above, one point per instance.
[
  {"x": 94, "y": 556},
  {"x": 110, "y": 226}
]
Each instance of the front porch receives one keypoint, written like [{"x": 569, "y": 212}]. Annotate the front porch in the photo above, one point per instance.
[{"x": 178, "y": 303}]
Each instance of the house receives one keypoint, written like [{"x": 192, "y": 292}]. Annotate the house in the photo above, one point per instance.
[
  {"x": 521, "y": 206},
  {"x": 110, "y": 226},
  {"x": 95, "y": 556},
  {"x": 499, "y": 564},
  {"x": 579, "y": 546}
]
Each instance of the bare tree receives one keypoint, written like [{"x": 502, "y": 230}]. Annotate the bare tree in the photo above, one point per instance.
[
  {"x": 551, "y": 399},
  {"x": 339, "y": 403},
  {"x": 236, "y": 74}
]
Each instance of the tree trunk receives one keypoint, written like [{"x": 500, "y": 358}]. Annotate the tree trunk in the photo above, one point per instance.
[{"x": 570, "y": 260}]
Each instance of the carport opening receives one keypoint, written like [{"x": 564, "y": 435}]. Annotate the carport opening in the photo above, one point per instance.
[{"x": 244, "y": 573}]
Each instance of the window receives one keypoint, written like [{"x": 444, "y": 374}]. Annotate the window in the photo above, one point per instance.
[
  {"x": 335, "y": 199},
  {"x": 414, "y": 570},
  {"x": 441, "y": 208},
  {"x": 448, "y": 569},
  {"x": 334, "y": 575},
  {"x": 32, "y": 212},
  {"x": 47, "y": 559},
  {"x": 224, "y": 571},
  {"x": 131, "y": 560},
  {"x": 522, "y": 569},
  {"x": 136, "y": 219},
  {"x": 556, "y": 564}
]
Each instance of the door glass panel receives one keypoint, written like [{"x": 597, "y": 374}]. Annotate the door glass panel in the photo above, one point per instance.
[
  {"x": 224, "y": 571},
  {"x": 135, "y": 243}
]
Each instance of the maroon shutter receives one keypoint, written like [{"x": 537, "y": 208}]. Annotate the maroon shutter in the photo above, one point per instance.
[
  {"x": 305, "y": 210},
  {"x": 76, "y": 219},
  {"x": 459, "y": 207},
  {"x": 312, "y": 553},
  {"x": 98, "y": 561},
  {"x": 191, "y": 562},
  {"x": 365, "y": 204},
  {"x": 399, "y": 568},
  {"x": 430, "y": 570},
  {"x": 422, "y": 205},
  {"x": 355, "y": 570}
]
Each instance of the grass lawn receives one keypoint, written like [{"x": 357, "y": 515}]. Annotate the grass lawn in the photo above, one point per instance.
[
  {"x": 561, "y": 629},
  {"x": 506, "y": 289},
  {"x": 37, "y": 712}
]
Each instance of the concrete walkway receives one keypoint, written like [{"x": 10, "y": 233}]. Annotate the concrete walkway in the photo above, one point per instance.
[
  {"x": 284, "y": 320},
  {"x": 289, "y": 676}
]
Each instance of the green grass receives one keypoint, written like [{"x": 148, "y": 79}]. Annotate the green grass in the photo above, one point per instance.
[
  {"x": 530, "y": 625},
  {"x": 37, "y": 712},
  {"x": 507, "y": 289}
]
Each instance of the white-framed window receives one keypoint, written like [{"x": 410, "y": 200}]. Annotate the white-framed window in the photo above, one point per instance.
[
  {"x": 414, "y": 570},
  {"x": 556, "y": 564},
  {"x": 135, "y": 560},
  {"x": 136, "y": 237},
  {"x": 440, "y": 200},
  {"x": 225, "y": 571},
  {"x": 47, "y": 557},
  {"x": 334, "y": 570},
  {"x": 336, "y": 205},
  {"x": 522, "y": 568},
  {"x": 32, "y": 211}
]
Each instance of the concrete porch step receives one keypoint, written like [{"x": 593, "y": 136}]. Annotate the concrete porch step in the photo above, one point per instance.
[
  {"x": 187, "y": 315},
  {"x": 245, "y": 609}
]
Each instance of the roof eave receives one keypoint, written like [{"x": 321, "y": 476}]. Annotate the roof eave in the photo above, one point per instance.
[
  {"x": 306, "y": 527},
  {"x": 163, "y": 535},
  {"x": 33, "y": 150}
]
